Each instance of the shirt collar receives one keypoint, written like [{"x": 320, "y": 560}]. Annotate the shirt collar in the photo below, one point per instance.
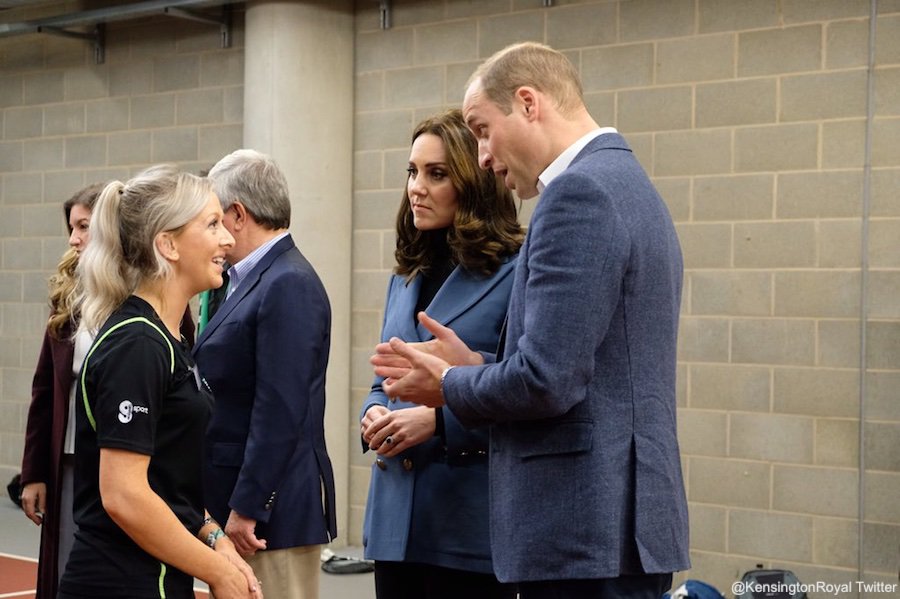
[
  {"x": 238, "y": 271},
  {"x": 563, "y": 161}
]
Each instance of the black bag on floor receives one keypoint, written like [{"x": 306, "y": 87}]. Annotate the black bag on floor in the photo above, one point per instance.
[{"x": 336, "y": 564}]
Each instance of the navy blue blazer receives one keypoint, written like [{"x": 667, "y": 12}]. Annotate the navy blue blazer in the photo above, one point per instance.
[
  {"x": 586, "y": 476},
  {"x": 429, "y": 504},
  {"x": 264, "y": 355}
]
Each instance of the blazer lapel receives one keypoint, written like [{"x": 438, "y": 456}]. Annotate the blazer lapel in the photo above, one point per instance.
[
  {"x": 458, "y": 294},
  {"x": 403, "y": 304},
  {"x": 247, "y": 285}
]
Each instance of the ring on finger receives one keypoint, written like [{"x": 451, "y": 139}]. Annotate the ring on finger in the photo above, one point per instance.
[{"x": 389, "y": 440}]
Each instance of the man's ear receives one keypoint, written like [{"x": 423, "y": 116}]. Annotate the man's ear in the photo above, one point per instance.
[
  {"x": 241, "y": 215},
  {"x": 165, "y": 244},
  {"x": 528, "y": 100}
]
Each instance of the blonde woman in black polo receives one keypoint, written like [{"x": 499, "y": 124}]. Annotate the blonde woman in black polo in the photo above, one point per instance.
[{"x": 141, "y": 407}]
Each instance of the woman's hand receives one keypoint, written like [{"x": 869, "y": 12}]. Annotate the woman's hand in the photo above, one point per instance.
[
  {"x": 371, "y": 415},
  {"x": 226, "y": 549},
  {"x": 232, "y": 583},
  {"x": 34, "y": 501},
  {"x": 392, "y": 432}
]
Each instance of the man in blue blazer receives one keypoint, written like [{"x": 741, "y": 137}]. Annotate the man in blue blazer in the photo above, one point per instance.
[
  {"x": 587, "y": 496},
  {"x": 264, "y": 355}
]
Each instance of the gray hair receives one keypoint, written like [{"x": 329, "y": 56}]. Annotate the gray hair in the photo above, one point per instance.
[{"x": 253, "y": 179}]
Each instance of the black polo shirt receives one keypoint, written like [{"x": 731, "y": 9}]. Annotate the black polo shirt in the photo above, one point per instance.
[{"x": 138, "y": 391}]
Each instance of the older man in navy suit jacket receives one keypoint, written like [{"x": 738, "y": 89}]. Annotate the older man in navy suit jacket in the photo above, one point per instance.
[
  {"x": 587, "y": 496},
  {"x": 264, "y": 355}
]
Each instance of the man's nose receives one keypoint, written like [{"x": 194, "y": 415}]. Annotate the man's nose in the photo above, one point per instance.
[{"x": 485, "y": 159}]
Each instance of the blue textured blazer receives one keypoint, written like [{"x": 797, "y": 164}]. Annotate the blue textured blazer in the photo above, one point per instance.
[
  {"x": 586, "y": 476},
  {"x": 429, "y": 504},
  {"x": 264, "y": 355}
]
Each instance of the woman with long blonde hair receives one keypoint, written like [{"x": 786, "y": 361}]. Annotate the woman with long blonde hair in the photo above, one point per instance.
[{"x": 142, "y": 407}]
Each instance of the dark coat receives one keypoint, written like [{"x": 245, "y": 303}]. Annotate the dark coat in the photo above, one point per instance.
[
  {"x": 264, "y": 354},
  {"x": 44, "y": 437}
]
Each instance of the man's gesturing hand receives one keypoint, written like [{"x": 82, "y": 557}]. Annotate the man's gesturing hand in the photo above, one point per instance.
[{"x": 413, "y": 370}]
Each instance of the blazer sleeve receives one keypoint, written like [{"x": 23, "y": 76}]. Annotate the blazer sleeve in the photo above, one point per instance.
[
  {"x": 576, "y": 256},
  {"x": 376, "y": 393},
  {"x": 38, "y": 430},
  {"x": 293, "y": 328}
]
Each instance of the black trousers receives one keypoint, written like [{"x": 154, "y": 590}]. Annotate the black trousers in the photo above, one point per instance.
[
  {"x": 410, "y": 580},
  {"x": 640, "y": 586}
]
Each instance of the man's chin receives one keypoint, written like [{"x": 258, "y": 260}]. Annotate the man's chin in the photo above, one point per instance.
[{"x": 526, "y": 194}]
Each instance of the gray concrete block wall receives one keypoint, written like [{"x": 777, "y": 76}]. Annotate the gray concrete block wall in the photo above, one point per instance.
[
  {"x": 166, "y": 93},
  {"x": 751, "y": 118}
]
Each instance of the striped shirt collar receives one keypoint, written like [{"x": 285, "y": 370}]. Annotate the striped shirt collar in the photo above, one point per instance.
[{"x": 239, "y": 271}]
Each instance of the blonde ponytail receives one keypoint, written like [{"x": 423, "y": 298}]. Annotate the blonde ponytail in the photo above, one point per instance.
[{"x": 105, "y": 280}]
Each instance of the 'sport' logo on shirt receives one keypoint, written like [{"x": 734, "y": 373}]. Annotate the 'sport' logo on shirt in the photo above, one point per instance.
[{"x": 128, "y": 409}]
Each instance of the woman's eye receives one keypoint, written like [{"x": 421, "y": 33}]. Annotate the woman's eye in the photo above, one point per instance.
[
  {"x": 411, "y": 172},
  {"x": 438, "y": 175}
]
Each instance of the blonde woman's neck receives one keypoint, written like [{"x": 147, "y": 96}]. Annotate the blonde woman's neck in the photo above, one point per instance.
[{"x": 167, "y": 301}]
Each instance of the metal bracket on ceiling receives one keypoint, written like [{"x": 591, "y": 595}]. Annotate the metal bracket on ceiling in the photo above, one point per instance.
[
  {"x": 98, "y": 37},
  {"x": 384, "y": 12},
  {"x": 223, "y": 22},
  {"x": 62, "y": 24}
]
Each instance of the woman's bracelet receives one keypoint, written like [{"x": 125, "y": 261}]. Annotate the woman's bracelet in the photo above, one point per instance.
[{"x": 213, "y": 537}]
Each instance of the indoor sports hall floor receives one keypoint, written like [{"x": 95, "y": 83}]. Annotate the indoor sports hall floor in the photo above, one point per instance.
[{"x": 19, "y": 541}]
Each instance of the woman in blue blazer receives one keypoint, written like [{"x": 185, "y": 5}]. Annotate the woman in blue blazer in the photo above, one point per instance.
[{"x": 426, "y": 523}]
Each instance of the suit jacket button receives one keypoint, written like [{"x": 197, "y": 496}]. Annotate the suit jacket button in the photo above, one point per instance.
[
  {"x": 407, "y": 464},
  {"x": 381, "y": 464}
]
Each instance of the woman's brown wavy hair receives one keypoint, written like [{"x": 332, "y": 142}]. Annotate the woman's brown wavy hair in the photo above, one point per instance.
[
  {"x": 485, "y": 229},
  {"x": 64, "y": 282}
]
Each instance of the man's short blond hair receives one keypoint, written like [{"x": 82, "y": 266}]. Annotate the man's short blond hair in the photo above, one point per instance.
[{"x": 534, "y": 65}]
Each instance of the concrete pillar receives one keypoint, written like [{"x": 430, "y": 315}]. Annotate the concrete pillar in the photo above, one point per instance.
[{"x": 298, "y": 107}]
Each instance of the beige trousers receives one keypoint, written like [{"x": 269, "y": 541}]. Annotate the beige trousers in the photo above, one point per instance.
[{"x": 291, "y": 573}]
